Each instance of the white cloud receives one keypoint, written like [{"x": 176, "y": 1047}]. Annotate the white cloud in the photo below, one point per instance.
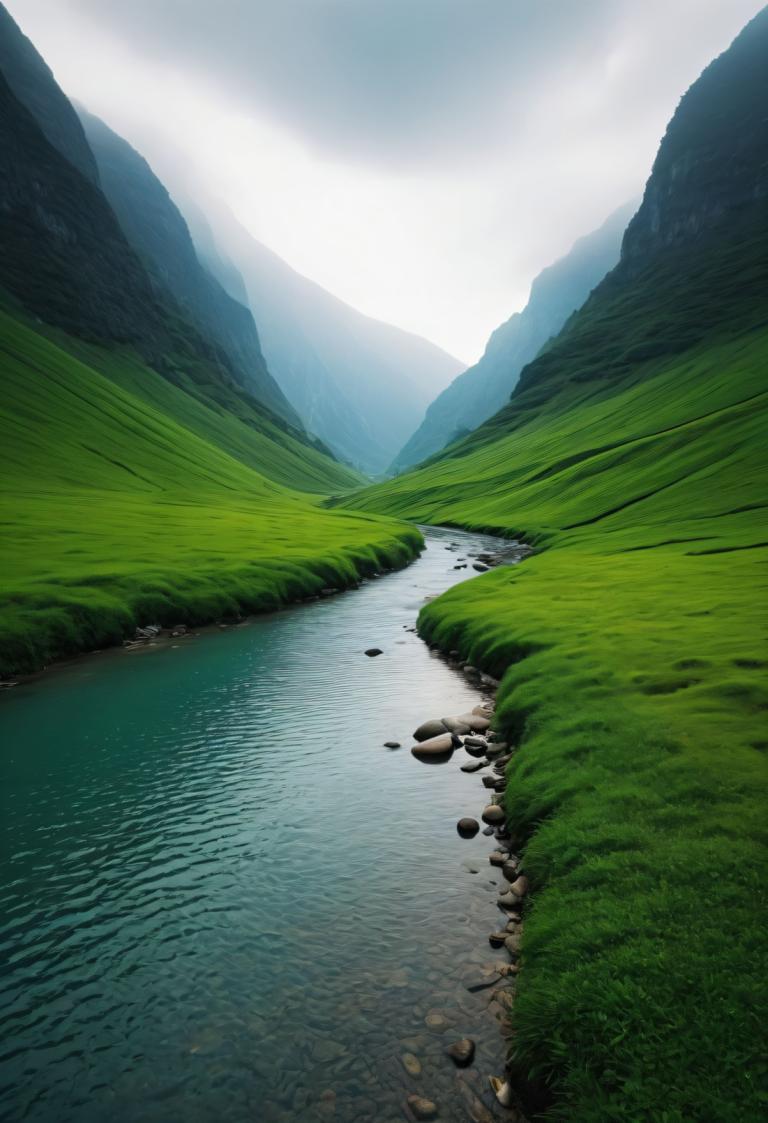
[{"x": 421, "y": 164}]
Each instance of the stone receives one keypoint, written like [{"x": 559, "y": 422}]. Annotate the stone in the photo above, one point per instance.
[
  {"x": 434, "y": 750},
  {"x": 372, "y": 652},
  {"x": 421, "y": 1107},
  {"x": 474, "y": 765},
  {"x": 497, "y": 858},
  {"x": 480, "y": 567},
  {"x": 502, "y": 1091},
  {"x": 509, "y": 869},
  {"x": 476, "y": 1109},
  {"x": 520, "y": 887},
  {"x": 513, "y": 942},
  {"x": 411, "y": 1064},
  {"x": 488, "y": 831},
  {"x": 429, "y": 729},
  {"x": 456, "y": 725},
  {"x": 437, "y": 1021},
  {"x": 471, "y": 671},
  {"x": 508, "y": 900},
  {"x": 485, "y": 709},
  {"x": 462, "y": 566},
  {"x": 489, "y": 781},
  {"x": 493, "y": 814},
  {"x": 391, "y": 744},
  {"x": 476, "y": 741},
  {"x": 496, "y": 939},
  {"x": 467, "y": 828},
  {"x": 474, "y": 750},
  {"x": 462, "y": 1052}
]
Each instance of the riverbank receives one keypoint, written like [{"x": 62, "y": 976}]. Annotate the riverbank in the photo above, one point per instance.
[
  {"x": 264, "y": 907},
  {"x": 259, "y": 558}
]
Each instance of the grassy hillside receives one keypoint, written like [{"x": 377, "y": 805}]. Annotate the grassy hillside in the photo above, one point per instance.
[
  {"x": 633, "y": 650},
  {"x": 633, "y": 644},
  {"x": 125, "y": 500}
]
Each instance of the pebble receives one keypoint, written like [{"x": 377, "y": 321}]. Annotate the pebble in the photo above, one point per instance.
[
  {"x": 474, "y": 765},
  {"x": 520, "y": 886},
  {"x": 467, "y": 827},
  {"x": 429, "y": 729},
  {"x": 462, "y": 1052},
  {"x": 509, "y": 869},
  {"x": 422, "y": 1108},
  {"x": 411, "y": 1064},
  {"x": 434, "y": 749},
  {"x": 493, "y": 814},
  {"x": 391, "y": 744},
  {"x": 372, "y": 652},
  {"x": 497, "y": 858}
]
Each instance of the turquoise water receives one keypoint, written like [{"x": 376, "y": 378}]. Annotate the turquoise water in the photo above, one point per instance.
[{"x": 222, "y": 898}]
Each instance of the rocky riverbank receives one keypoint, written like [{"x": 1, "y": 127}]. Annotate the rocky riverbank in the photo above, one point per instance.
[{"x": 471, "y": 736}]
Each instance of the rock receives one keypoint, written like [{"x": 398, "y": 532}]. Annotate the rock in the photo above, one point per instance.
[
  {"x": 508, "y": 900},
  {"x": 488, "y": 831},
  {"x": 456, "y": 725},
  {"x": 434, "y": 750},
  {"x": 391, "y": 744},
  {"x": 502, "y": 1091},
  {"x": 489, "y": 681},
  {"x": 462, "y": 1052},
  {"x": 489, "y": 781},
  {"x": 437, "y": 1021},
  {"x": 484, "y": 709},
  {"x": 474, "y": 750},
  {"x": 496, "y": 939},
  {"x": 429, "y": 729},
  {"x": 513, "y": 942},
  {"x": 481, "y": 567},
  {"x": 467, "y": 828},
  {"x": 476, "y": 741},
  {"x": 372, "y": 652},
  {"x": 462, "y": 566},
  {"x": 421, "y": 1107},
  {"x": 411, "y": 1064},
  {"x": 509, "y": 869},
  {"x": 520, "y": 887},
  {"x": 497, "y": 858},
  {"x": 474, "y": 765},
  {"x": 471, "y": 671},
  {"x": 493, "y": 814}
]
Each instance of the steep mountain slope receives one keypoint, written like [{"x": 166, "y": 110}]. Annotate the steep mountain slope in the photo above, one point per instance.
[
  {"x": 633, "y": 644},
  {"x": 157, "y": 232},
  {"x": 483, "y": 389},
  {"x": 32, "y": 82},
  {"x": 359, "y": 384},
  {"x": 125, "y": 501}
]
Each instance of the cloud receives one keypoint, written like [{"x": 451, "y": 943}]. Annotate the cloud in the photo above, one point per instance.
[{"x": 422, "y": 159}]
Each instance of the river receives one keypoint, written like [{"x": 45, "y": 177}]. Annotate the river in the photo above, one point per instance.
[{"x": 222, "y": 897}]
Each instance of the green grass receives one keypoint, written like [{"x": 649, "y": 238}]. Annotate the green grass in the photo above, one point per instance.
[
  {"x": 126, "y": 500},
  {"x": 633, "y": 652}
]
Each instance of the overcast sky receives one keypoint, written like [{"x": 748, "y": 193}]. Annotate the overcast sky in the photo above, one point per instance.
[{"x": 422, "y": 159}]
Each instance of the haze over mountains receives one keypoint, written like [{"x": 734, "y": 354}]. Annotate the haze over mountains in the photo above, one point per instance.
[
  {"x": 360, "y": 384},
  {"x": 484, "y": 388}
]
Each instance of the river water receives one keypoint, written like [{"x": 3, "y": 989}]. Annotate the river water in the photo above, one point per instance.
[{"x": 222, "y": 898}]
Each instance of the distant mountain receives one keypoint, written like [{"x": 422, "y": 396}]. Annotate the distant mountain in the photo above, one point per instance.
[
  {"x": 156, "y": 230},
  {"x": 556, "y": 293},
  {"x": 359, "y": 384}
]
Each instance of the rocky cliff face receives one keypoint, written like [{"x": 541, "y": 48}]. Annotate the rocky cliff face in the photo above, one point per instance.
[
  {"x": 157, "y": 231},
  {"x": 32, "y": 82},
  {"x": 712, "y": 165},
  {"x": 483, "y": 389}
]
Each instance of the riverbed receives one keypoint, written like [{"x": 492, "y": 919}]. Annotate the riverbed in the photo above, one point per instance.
[{"x": 222, "y": 897}]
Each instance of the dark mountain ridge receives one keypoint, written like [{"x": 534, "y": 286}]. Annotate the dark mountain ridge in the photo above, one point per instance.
[
  {"x": 484, "y": 388},
  {"x": 157, "y": 231}
]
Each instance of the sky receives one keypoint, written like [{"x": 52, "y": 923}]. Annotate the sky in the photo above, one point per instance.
[{"x": 421, "y": 159}]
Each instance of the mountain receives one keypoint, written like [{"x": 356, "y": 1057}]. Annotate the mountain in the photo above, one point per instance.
[
  {"x": 359, "y": 384},
  {"x": 485, "y": 387},
  {"x": 157, "y": 232},
  {"x": 32, "y": 82},
  {"x": 632, "y": 454}
]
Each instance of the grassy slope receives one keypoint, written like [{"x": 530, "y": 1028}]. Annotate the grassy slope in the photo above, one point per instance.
[
  {"x": 125, "y": 500},
  {"x": 633, "y": 650}
]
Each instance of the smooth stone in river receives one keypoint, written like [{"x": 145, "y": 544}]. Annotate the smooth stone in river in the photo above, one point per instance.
[
  {"x": 422, "y": 1108},
  {"x": 372, "y": 652},
  {"x": 462, "y": 1052},
  {"x": 467, "y": 827},
  {"x": 493, "y": 814},
  {"x": 435, "y": 749},
  {"x": 429, "y": 729}
]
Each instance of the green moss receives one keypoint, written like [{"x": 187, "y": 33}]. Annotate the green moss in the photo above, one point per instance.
[{"x": 126, "y": 500}]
